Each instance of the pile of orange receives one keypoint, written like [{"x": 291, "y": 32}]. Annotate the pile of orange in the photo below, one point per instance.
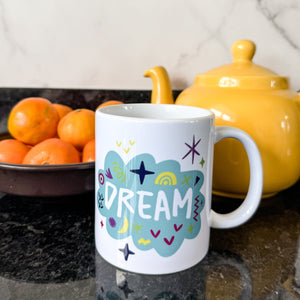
[{"x": 45, "y": 133}]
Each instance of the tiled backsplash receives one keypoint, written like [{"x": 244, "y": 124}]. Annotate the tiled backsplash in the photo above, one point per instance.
[{"x": 109, "y": 44}]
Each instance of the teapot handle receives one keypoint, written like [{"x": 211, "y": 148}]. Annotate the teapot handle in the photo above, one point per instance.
[{"x": 297, "y": 98}]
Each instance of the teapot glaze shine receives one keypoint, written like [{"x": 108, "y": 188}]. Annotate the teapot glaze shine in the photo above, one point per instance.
[{"x": 254, "y": 99}]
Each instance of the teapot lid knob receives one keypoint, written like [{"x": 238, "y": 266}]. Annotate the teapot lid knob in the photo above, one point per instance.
[{"x": 243, "y": 50}]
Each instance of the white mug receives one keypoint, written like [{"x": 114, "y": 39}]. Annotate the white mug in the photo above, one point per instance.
[{"x": 154, "y": 183}]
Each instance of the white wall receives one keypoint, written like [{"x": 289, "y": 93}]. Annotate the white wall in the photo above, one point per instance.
[{"x": 109, "y": 44}]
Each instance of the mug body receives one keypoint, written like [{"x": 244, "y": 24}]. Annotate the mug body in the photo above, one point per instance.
[{"x": 153, "y": 181}]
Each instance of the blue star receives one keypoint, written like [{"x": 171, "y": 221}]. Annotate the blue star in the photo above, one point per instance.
[
  {"x": 126, "y": 251},
  {"x": 192, "y": 149},
  {"x": 142, "y": 172}
]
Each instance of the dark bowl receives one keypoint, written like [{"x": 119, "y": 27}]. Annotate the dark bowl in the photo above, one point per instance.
[{"x": 46, "y": 181}]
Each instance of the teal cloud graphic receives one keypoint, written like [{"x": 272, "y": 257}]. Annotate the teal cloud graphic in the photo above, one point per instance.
[{"x": 155, "y": 203}]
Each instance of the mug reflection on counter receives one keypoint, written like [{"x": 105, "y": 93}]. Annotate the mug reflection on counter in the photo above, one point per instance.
[{"x": 199, "y": 282}]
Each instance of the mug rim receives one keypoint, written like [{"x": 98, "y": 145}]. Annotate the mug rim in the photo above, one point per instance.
[{"x": 146, "y": 111}]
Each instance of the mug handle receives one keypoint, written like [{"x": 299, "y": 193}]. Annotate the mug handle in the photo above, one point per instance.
[{"x": 246, "y": 210}]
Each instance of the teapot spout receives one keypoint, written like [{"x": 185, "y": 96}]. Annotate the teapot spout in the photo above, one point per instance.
[{"x": 161, "y": 92}]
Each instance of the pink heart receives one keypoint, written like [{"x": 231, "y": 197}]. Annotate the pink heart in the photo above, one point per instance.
[
  {"x": 177, "y": 228},
  {"x": 170, "y": 241},
  {"x": 155, "y": 234}
]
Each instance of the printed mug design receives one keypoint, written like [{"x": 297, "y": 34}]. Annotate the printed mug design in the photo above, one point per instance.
[{"x": 155, "y": 203}]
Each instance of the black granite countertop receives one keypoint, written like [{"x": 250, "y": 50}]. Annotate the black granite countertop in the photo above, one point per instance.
[
  {"x": 47, "y": 246},
  {"x": 47, "y": 251}
]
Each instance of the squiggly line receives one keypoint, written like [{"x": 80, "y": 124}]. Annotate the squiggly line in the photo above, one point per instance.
[
  {"x": 195, "y": 211},
  {"x": 144, "y": 242},
  {"x": 119, "y": 172}
]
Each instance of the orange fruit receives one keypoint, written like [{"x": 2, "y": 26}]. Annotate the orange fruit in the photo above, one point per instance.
[
  {"x": 88, "y": 152},
  {"x": 62, "y": 109},
  {"x": 33, "y": 120},
  {"x": 52, "y": 152},
  {"x": 110, "y": 102},
  {"x": 77, "y": 127},
  {"x": 13, "y": 151}
]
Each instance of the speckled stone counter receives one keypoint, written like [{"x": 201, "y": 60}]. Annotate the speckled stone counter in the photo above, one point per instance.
[
  {"x": 47, "y": 252},
  {"x": 47, "y": 246}
]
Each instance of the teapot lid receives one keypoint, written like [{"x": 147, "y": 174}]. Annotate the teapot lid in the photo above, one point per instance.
[{"x": 242, "y": 72}]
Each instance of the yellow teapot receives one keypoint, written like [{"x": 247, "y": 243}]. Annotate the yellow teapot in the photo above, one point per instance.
[{"x": 247, "y": 96}]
